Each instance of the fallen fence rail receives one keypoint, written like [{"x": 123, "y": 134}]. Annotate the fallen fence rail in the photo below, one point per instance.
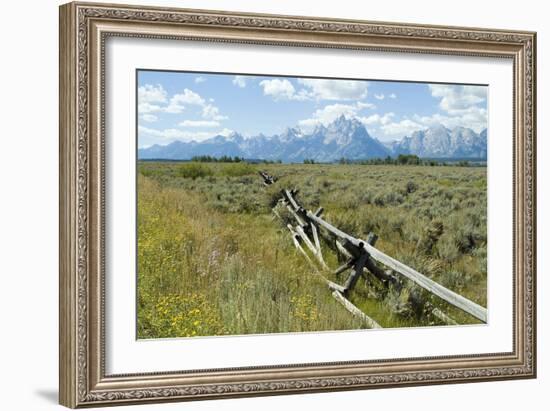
[
  {"x": 354, "y": 310},
  {"x": 268, "y": 180}
]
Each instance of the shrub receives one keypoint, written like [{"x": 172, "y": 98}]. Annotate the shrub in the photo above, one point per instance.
[
  {"x": 394, "y": 198},
  {"x": 447, "y": 249},
  {"x": 349, "y": 200},
  {"x": 388, "y": 198},
  {"x": 272, "y": 195},
  {"x": 454, "y": 280},
  {"x": 481, "y": 257},
  {"x": 146, "y": 172},
  {"x": 367, "y": 197},
  {"x": 410, "y": 302},
  {"x": 469, "y": 237},
  {"x": 411, "y": 187},
  {"x": 238, "y": 169},
  {"x": 378, "y": 200},
  {"x": 194, "y": 170},
  {"x": 396, "y": 225},
  {"x": 346, "y": 222},
  {"x": 430, "y": 236}
]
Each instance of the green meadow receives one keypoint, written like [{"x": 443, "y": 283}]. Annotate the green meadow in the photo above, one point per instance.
[{"x": 214, "y": 260}]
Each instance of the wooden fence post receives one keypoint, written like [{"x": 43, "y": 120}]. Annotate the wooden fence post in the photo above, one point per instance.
[{"x": 356, "y": 272}]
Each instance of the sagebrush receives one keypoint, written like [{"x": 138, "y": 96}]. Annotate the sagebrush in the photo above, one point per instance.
[{"x": 212, "y": 260}]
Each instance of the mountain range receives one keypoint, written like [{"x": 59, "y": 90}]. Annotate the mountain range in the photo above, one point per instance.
[{"x": 343, "y": 138}]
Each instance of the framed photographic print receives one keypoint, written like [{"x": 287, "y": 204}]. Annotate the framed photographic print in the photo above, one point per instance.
[{"x": 259, "y": 204}]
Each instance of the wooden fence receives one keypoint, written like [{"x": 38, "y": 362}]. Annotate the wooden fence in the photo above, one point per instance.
[{"x": 363, "y": 259}]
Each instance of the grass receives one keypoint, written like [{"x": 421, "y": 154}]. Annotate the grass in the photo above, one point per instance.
[{"x": 213, "y": 261}]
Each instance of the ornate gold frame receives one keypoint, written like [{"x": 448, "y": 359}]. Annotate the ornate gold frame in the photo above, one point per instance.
[{"x": 83, "y": 30}]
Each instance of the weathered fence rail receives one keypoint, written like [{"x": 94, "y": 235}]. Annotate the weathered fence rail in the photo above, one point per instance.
[
  {"x": 362, "y": 255},
  {"x": 268, "y": 180}
]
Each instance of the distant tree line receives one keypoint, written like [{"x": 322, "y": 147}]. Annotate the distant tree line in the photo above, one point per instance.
[
  {"x": 222, "y": 159},
  {"x": 229, "y": 159},
  {"x": 406, "y": 160},
  {"x": 267, "y": 161},
  {"x": 400, "y": 160}
]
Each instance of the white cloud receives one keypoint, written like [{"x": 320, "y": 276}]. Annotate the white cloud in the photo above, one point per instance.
[
  {"x": 361, "y": 105},
  {"x": 174, "y": 108},
  {"x": 199, "y": 123},
  {"x": 149, "y": 118},
  {"x": 187, "y": 97},
  {"x": 385, "y": 128},
  {"x": 212, "y": 112},
  {"x": 281, "y": 90},
  {"x": 239, "y": 81},
  {"x": 456, "y": 99},
  {"x": 149, "y": 93},
  {"x": 177, "y": 101},
  {"x": 149, "y": 136},
  {"x": 400, "y": 128},
  {"x": 322, "y": 89},
  {"x": 200, "y": 79},
  {"x": 152, "y": 97},
  {"x": 377, "y": 119},
  {"x": 315, "y": 89},
  {"x": 308, "y": 124},
  {"x": 474, "y": 118},
  {"x": 225, "y": 132},
  {"x": 149, "y": 108},
  {"x": 209, "y": 111},
  {"x": 461, "y": 106},
  {"x": 166, "y": 134},
  {"x": 331, "y": 112},
  {"x": 379, "y": 96}
]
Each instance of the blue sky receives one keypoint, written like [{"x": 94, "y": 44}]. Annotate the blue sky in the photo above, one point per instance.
[{"x": 196, "y": 106}]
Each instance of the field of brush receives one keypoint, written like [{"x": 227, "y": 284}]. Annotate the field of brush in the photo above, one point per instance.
[{"x": 214, "y": 260}]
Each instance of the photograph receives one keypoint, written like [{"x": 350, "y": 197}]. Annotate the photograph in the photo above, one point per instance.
[{"x": 283, "y": 204}]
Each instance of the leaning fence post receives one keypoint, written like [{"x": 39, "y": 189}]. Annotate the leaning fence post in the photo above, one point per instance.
[
  {"x": 356, "y": 271},
  {"x": 371, "y": 266},
  {"x": 372, "y": 238}
]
